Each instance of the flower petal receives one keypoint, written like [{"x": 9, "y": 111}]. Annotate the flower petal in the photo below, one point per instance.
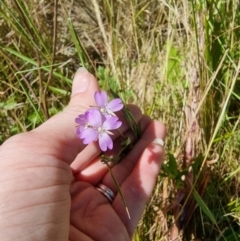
[
  {"x": 81, "y": 120},
  {"x": 111, "y": 123},
  {"x": 105, "y": 141},
  {"x": 89, "y": 135},
  {"x": 101, "y": 98},
  {"x": 115, "y": 105},
  {"x": 79, "y": 130},
  {"x": 94, "y": 117}
]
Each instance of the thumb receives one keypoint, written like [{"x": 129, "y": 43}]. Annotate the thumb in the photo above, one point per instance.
[
  {"x": 83, "y": 88},
  {"x": 58, "y": 133}
]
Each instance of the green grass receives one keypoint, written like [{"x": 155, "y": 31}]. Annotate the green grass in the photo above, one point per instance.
[{"x": 178, "y": 60}]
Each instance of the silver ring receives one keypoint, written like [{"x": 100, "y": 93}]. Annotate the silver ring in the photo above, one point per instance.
[
  {"x": 107, "y": 192},
  {"x": 159, "y": 142}
]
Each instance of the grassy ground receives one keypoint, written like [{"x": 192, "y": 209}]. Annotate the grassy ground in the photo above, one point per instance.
[{"x": 178, "y": 60}]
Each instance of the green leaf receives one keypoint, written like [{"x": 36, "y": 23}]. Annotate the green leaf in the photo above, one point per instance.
[
  {"x": 9, "y": 104},
  {"x": 173, "y": 165},
  {"x": 59, "y": 91},
  {"x": 35, "y": 118},
  {"x": 82, "y": 54},
  {"x": 197, "y": 164},
  {"x": 34, "y": 63},
  {"x": 203, "y": 206}
]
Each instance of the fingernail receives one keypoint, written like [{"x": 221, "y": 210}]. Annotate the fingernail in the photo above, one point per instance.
[
  {"x": 80, "y": 81},
  {"x": 81, "y": 69}
]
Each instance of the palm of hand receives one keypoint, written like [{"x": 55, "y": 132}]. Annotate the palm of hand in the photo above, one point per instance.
[{"x": 42, "y": 187}]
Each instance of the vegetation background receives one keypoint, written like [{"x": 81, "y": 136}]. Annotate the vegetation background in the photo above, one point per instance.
[{"x": 177, "y": 59}]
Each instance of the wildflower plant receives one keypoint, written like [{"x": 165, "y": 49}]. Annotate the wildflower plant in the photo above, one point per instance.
[
  {"x": 98, "y": 121},
  {"x": 97, "y": 124}
]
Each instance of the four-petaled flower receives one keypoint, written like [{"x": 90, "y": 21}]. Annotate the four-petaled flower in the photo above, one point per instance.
[
  {"x": 97, "y": 122},
  {"x": 107, "y": 108}
]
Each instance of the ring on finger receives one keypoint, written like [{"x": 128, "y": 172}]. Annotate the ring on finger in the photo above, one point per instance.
[
  {"x": 159, "y": 142},
  {"x": 107, "y": 192}
]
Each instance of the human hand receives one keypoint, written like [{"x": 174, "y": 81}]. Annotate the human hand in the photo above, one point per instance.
[{"x": 48, "y": 178}]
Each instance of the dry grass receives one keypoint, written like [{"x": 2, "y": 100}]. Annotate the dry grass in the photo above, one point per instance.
[{"x": 178, "y": 60}]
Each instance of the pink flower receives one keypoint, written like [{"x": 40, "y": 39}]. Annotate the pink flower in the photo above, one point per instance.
[
  {"x": 107, "y": 108},
  {"x": 93, "y": 125}
]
